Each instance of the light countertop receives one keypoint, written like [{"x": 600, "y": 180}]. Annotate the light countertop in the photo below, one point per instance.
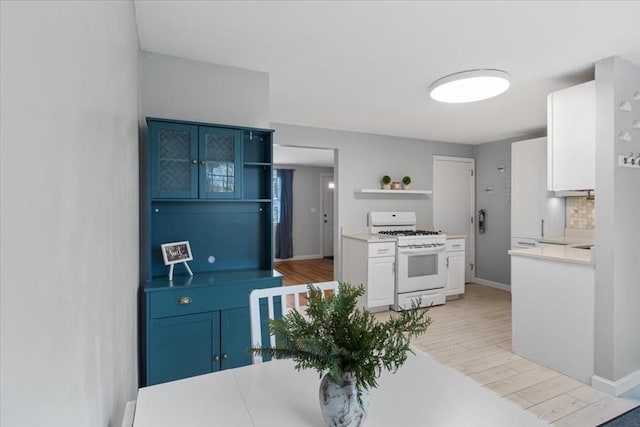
[
  {"x": 560, "y": 253},
  {"x": 371, "y": 238},
  {"x": 455, "y": 236},
  {"x": 567, "y": 240}
]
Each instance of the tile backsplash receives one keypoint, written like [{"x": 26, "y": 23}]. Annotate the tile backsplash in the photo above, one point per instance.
[{"x": 581, "y": 213}]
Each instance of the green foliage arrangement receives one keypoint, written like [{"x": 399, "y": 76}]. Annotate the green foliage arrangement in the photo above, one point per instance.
[
  {"x": 406, "y": 180},
  {"x": 339, "y": 338},
  {"x": 386, "y": 179}
]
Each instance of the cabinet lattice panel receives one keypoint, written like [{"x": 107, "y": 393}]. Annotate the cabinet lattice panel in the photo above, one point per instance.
[
  {"x": 220, "y": 163},
  {"x": 174, "y": 149}
]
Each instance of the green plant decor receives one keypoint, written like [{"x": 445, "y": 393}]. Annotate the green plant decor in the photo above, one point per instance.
[
  {"x": 406, "y": 180},
  {"x": 386, "y": 179},
  {"x": 339, "y": 338}
]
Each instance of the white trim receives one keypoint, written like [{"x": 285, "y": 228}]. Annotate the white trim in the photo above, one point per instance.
[
  {"x": 299, "y": 258},
  {"x": 394, "y": 192},
  {"x": 616, "y": 388},
  {"x": 491, "y": 284},
  {"x": 129, "y": 412}
]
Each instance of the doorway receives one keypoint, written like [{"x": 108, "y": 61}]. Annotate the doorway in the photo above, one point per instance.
[
  {"x": 327, "y": 197},
  {"x": 454, "y": 202},
  {"x": 313, "y": 171}
]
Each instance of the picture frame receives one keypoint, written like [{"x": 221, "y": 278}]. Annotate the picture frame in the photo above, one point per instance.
[{"x": 176, "y": 252}]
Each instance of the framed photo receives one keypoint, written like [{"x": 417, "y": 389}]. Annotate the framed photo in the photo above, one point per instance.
[{"x": 175, "y": 252}]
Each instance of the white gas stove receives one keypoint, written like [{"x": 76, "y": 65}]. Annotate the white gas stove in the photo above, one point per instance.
[{"x": 420, "y": 258}]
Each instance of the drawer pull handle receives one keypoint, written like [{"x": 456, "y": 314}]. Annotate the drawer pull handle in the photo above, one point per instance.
[{"x": 184, "y": 300}]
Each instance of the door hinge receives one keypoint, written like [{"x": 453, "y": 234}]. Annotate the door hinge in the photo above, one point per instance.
[
  {"x": 471, "y": 267},
  {"x": 471, "y": 172},
  {"x": 471, "y": 220}
]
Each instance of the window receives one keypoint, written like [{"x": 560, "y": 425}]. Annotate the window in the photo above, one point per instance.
[{"x": 276, "y": 197}]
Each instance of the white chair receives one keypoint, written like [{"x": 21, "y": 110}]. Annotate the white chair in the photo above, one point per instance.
[{"x": 257, "y": 296}]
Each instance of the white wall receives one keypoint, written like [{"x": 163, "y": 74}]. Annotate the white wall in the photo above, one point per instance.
[
  {"x": 178, "y": 88},
  {"x": 362, "y": 159},
  {"x": 618, "y": 229},
  {"x": 307, "y": 223},
  {"x": 69, "y": 200}
]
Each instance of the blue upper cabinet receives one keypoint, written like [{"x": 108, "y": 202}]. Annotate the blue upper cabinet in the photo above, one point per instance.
[
  {"x": 174, "y": 160},
  {"x": 195, "y": 162},
  {"x": 220, "y": 161}
]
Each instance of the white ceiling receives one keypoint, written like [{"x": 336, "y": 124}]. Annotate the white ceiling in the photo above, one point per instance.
[{"x": 366, "y": 65}]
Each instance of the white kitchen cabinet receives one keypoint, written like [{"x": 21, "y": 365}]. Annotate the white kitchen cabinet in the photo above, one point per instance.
[
  {"x": 553, "y": 314},
  {"x": 572, "y": 133},
  {"x": 372, "y": 264},
  {"x": 455, "y": 267},
  {"x": 535, "y": 212},
  {"x": 381, "y": 279}
]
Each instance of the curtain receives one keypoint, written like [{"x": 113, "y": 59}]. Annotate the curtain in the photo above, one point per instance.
[{"x": 284, "y": 229}]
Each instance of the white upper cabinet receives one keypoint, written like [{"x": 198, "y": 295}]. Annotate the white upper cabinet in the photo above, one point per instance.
[
  {"x": 535, "y": 213},
  {"x": 571, "y": 130}
]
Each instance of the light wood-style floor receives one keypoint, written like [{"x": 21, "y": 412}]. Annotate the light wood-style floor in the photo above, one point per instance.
[{"x": 473, "y": 335}]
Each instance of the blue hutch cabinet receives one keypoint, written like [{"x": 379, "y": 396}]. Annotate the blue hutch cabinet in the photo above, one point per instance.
[{"x": 209, "y": 185}]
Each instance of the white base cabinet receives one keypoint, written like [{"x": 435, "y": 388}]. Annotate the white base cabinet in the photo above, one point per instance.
[
  {"x": 553, "y": 314},
  {"x": 455, "y": 267},
  {"x": 373, "y": 265}
]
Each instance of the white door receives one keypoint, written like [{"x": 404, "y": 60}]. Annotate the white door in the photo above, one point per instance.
[
  {"x": 454, "y": 202},
  {"x": 327, "y": 215}
]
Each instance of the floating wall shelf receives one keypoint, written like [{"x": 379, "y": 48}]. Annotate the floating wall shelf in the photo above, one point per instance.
[{"x": 377, "y": 191}]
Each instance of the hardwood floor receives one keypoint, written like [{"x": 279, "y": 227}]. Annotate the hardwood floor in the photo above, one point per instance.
[
  {"x": 473, "y": 335},
  {"x": 305, "y": 271}
]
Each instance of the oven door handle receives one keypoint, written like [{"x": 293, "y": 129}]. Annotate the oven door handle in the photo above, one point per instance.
[{"x": 420, "y": 251}]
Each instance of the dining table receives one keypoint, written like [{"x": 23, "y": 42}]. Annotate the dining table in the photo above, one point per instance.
[{"x": 421, "y": 393}]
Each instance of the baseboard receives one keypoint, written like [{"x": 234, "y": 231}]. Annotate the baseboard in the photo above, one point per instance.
[
  {"x": 491, "y": 284},
  {"x": 616, "y": 388},
  {"x": 129, "y": 412},
  {"x": 299, "y": 258}
]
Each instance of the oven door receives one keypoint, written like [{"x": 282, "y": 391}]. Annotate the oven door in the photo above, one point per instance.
[{"x": 420, "y": 269}]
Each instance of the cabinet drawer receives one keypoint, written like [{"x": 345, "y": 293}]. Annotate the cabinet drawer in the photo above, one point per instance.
[
  {"x": 179, "y": 302},
  {"x": 382, "y": 249},
  {"x": 455, "y": 245},
  {"x": 523, "y": 243}
]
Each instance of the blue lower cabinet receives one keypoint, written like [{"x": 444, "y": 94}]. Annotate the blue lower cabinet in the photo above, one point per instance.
[
  {"x": 199, "y": 324},
  {"x": 183, "y": 346},
  {"x": 235, "y": 337}
]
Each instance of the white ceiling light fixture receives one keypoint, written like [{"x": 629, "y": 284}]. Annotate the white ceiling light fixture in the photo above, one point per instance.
[{"x": 470, "y": 86}]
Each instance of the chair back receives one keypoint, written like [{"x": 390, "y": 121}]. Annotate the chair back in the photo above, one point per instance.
[{"x": 259, "y": 296}]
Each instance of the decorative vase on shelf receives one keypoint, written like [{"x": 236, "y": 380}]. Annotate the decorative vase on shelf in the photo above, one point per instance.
[
  {"x": 406, "y": 182},
  {"x": 386, "y": 182},
  {"x": 395, "y": 185},
  {"x": 339, "y": 401}
]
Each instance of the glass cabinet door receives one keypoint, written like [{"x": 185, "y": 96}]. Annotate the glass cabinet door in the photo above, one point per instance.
[
  {"x": 220, "y": 172},
  {"x": 174, "y": 160}
]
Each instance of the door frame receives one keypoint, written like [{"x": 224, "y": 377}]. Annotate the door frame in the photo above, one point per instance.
[
  {"x": 470, "y": 255},
  {"x": 322, "y": 176}
]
